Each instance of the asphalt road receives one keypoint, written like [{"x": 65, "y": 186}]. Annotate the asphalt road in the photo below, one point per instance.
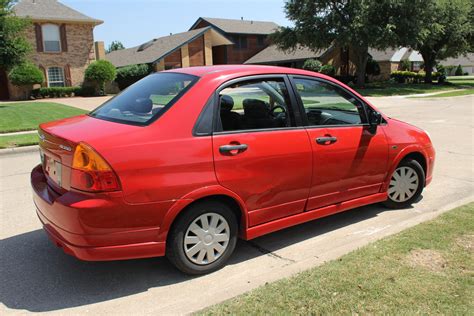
[{"x": 35, "y": 276}]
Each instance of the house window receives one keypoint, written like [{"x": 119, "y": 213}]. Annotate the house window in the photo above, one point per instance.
[
  {"x": 240, "y": 41},
  {"x": 56, "y": 77},
  {"x": 51, "y": 38},
  {"x": 260, "y": 40}
]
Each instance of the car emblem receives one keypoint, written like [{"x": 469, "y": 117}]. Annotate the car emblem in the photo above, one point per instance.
[{"x": 67, "y": 148}]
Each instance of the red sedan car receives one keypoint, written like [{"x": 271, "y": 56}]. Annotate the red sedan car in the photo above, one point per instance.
[{"x": 184, "y": 162}]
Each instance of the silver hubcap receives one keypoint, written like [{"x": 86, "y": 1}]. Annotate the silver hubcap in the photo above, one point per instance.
[
  {"x": 206, "y": 239},
  {"x": 403, "y": 184}
]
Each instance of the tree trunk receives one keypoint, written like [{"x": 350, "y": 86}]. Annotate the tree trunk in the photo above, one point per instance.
[
  {"x": 361, "y": 64},
  {"x": 429, "y": 63}
]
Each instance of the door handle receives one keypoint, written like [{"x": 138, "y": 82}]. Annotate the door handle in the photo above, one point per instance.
[
  {"x": 326, "y": 140},
  {"x": 233, "y": 149}
]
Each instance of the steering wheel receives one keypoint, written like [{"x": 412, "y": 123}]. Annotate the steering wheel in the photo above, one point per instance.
[{"x": 282, "y": 114}]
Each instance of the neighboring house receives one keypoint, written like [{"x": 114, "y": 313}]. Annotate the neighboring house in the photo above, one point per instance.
[
  {"x": 187, "y": 49},
  {"x": 249, "y": 37},
  {"x": 272, "y": 55},
  {"x": 62, "y": 41},
  {"x": 208, "y": 42},
  {"x": 466, "y": 62}
]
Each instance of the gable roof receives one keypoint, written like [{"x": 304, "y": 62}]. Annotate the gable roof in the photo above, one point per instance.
[
  {"x": 239, "y": 26},
  {"x": 47, "y": 10},
  {"x": 395, "y": 54},
  {"x": 463, "y": 60},
  {"x": 158, "y": 48},
  {"x": 273, "y": 54}
]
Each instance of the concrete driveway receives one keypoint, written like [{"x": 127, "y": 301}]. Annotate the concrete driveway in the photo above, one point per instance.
[{"x": 35, "y": 276}]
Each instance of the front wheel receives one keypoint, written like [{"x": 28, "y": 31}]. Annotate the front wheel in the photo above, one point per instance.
[
  {"x": 406, "y": 184},
  {"x": 203, "y": 238}
]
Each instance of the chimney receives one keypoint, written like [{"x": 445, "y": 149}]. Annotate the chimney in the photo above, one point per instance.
[
  {"x": 242, "y": 18},
  {"x": 99, "y": 50}
]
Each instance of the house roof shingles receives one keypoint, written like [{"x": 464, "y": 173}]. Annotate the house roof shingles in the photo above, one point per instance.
[
  {"x": 47, "y": 10},
  {"x": 273, "y": 54},
  {"x": 463, "y": 60},
  {"x": 240, "y": 26}
]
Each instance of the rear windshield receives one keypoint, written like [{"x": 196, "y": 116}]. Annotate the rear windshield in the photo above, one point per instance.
[{"x": 146, "y": 100}]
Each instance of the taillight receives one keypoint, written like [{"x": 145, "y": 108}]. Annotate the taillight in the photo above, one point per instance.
[{"x": 90, "y": 172}]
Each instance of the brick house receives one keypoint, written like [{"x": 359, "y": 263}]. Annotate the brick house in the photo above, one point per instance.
[
  {"x": 248, "y": 38},
  {"x": 208, "y": 42},
  {"x": 187, "y": 49},
  {"x": 62, "y": 41}
]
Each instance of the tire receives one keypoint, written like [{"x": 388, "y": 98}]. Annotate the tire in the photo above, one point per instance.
[
  {"x": 406, "y": 171},
  {"x": 218, "y": 240}
]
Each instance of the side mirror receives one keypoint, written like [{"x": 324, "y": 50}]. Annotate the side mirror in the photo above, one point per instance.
[{"x": 375, "y": 119}]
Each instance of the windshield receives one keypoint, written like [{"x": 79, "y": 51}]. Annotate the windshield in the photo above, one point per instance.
[{"x": 146, "y": 100}]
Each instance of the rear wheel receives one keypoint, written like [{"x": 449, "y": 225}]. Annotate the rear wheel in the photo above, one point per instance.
[
  {"x": 406, "y": 184},
  {"x": 203, "y": 238}
]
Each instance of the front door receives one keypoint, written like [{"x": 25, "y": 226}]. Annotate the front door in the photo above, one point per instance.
[
  {"x": 349, "y": 160},
  {"x": 259, "y": 152}
]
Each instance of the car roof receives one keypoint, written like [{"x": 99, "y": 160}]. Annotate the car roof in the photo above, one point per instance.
[{"x": 243, "y": 70}]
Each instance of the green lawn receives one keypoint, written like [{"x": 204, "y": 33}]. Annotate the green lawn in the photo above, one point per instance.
[
  {"x": 379, "y": 89},
  {"x": 427, "y": 269},
  {"x": 455, "y": 93},
  {"x": 25, "y": 116},
  {"x": 18, "y": 140}
]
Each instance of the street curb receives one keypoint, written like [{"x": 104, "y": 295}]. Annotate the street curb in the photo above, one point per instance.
[{"x": 18, "y": 150}]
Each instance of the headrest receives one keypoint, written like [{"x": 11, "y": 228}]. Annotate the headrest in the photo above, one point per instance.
[
  {"x": 227, "y": 103},
  {"x": 255, "y": 108},
  {"x": 143, "y": 105}
]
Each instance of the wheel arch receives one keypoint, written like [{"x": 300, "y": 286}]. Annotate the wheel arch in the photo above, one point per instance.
[
  {"x": 414, "y": 152},
  {"x": 205, "y": 194}
]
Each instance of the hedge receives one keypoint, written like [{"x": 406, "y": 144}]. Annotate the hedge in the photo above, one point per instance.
[
  {"x": 56, "y": 92},
  {"x": 128, "y": 75},
  {"x": 412, "y": 77}
]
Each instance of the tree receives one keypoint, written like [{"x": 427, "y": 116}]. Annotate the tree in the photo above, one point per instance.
[
  {"x": 458, "y": 71},
  {"x": 356, "y": 24},
  {"x": 115, "y": 45},
  {"x": 14, "y": 47},
  {"x": 446, "y": 31},
  {"x": 100, "y": 72}
]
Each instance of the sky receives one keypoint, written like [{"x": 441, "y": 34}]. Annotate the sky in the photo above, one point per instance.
[{"x": 134, "y": 22}]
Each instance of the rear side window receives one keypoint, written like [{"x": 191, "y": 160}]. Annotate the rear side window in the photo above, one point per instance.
[{"x": 146, "y": 100}]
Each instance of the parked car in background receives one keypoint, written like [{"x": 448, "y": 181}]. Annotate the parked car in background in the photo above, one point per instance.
[{"x": 185, "y": 161}]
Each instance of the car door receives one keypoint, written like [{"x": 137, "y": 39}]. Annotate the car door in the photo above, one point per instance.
[
  {"x": 349, "y": 160},
  {"x": 259, "y": 151}
]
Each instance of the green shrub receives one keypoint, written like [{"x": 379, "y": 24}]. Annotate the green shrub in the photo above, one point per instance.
[
  {"x": 128, "y": 75},
  {"x": 312, "y": 65},
  {"x": 100, "y": 72},
  {"x": 56, "y": 92},
  {"x": 412, "y": 77},
  {"x": 26, "y": 74},
  {"x": 458, "y": 71},
  {"x": 329, "y": 70}
]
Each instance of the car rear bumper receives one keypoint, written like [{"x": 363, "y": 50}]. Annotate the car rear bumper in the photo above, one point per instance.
[{"x": 98, "y": 227}]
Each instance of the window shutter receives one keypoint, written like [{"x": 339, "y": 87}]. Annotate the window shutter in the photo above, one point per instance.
[
  {"x": 62, "y": 30},
  {"x": 45, "y": 81},
  {"x": 67, "y": 75},
  {"x": 39, "y": 38}
]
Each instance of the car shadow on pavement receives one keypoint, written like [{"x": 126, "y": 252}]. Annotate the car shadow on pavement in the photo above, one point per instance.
[{"x": 38, "y": 277}]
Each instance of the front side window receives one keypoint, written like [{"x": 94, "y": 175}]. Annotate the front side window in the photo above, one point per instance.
[
  {"x": 145, "y": 100},
  {"x": 327, "y": 104},
  {"x": 56, "y": 77},
  {"x": 51, "y": 38},
  {"x": 255, "y": 104}
]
